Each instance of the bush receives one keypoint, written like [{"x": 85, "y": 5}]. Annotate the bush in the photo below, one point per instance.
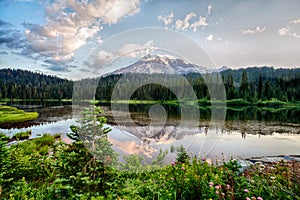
[{"x": 22, "y": 135}]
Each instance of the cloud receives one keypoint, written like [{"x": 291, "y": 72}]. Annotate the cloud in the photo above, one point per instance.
[
  {"x": 3, "y": 53},
  {"x": 209, "y": 38},
  {"x": 185, "y": 24},
  {"x": 10, "y": 37},
  {"x": 257, "y": 29},
  {"x": 4, "y": 24},
  {"x": 200, "y": 23},
  {"x": 58, "y": 68},
  {"x": 209, "y": 9},
  {"x": 284, "y": 31},
  {"x": 104, "y": 58},
  {"x": 70, "y": 24},
  {"x": 291, "y": 29},
  {"x": 166, "y": 19},
  {"x": 295, "y": 21}
]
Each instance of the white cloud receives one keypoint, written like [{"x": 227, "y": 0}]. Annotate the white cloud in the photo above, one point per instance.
[
  {"x": 185, "y": 24},
  {"x": 209, "y": 38},
  {"x": 129, "y": 50},
  {"x": 166, "y": 19},
  {"x": 200, "y": 23},
  {"x": 284, "y": 31},
  {"x": 295, "y": 21},
  {"x": 209, "y": 8},
  {"x": 135, "y": 50},
  {"x": 296, "y": 35},
  {"x": 70, "y": 24},
  {"x": 257, "y": 29}
]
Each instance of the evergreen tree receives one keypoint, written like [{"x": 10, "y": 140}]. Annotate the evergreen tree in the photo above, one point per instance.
[
  {"x": 244, "y": 86},
  {"x": 260, "y": 87}
]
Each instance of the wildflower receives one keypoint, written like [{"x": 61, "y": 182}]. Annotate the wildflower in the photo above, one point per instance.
[
  {"x": 163, "y": 184},
  {"x": 203, "y": 159},
  {"x": 172, "y": 163},
  {"x": 223, "y": 194},
  {"x": 217, "y": 187},
  {"x": 247, "y": 198},
  {"x": 272, "y": 177},
  {"x": 211, "y": 183},
  {"x": 172, "y": 179},
  {"x": 217, "y": 192},
  {"x": 245, "y": 190},
  {"x": 253, "y": 198},
  {"x": 182, "y": 168},
  {"x": 259, "y": 198},
  {"x": 227, "y": 187}
]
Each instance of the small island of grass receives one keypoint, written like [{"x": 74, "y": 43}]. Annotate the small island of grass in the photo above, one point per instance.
[{"x": 9, "y": 114}]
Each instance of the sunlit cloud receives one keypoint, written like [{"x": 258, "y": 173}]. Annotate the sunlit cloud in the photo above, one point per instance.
[
  {"x": 257, "y": 29},
  {"x": 166, "y": 19},
  {"x": 291, "y": 29},
  {"x": 130, "y": 50},
  {"x": 70, "y": 24},
  {"x": 209, "y": 38},
  {"x": 209, "y": 9}
]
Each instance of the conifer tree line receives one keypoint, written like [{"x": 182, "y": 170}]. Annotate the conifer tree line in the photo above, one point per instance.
[
  {"x": 23, "y": 84},
  {"x": 250, "y": 84}
]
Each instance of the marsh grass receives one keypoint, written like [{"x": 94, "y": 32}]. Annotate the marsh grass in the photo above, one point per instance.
[{"x": 9, "y": 114}]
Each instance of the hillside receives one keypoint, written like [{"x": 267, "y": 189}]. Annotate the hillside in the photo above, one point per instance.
[{"x": 23, "y": 84}]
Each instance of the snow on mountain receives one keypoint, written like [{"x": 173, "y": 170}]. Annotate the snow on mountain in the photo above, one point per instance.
[{"x": 163, "y": 64}]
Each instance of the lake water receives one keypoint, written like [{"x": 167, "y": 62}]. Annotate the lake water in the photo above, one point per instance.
[{"x": 246, "y": 132}]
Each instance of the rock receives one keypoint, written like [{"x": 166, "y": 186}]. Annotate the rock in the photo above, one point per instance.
[{"x": 244, "y": 165}]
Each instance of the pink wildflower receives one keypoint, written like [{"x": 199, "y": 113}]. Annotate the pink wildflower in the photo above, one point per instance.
[{"x": 245, "y": 190}]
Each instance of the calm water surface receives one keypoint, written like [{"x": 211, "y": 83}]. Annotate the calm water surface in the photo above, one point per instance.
[{"x": 247, "y": 132}]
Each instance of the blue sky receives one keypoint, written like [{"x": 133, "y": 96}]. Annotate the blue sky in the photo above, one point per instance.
[{"x": 57, "y": 36}]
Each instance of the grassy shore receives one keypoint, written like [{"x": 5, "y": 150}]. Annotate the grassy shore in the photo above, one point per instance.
[
  {"x": 10, "y": 114},
  {"x": 233, "y": 103}
]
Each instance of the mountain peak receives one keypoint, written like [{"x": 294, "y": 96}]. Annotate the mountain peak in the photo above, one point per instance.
[{"x": 161, "y": 64}]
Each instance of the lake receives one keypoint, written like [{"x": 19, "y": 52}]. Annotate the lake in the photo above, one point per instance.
[{"x": 246, "y": 132}]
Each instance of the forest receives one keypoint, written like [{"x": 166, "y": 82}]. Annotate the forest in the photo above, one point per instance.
[{"x": 250, "y": 84}]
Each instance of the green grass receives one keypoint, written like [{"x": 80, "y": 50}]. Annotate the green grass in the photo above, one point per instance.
[
  {"x": 22, "y": 135},
  {"x": 10, "y": 114},
  {"x": 6, "y": 100},
  {"x": 40, "y": 145}
]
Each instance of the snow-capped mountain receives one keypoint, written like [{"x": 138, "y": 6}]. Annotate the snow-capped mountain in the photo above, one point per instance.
[{"x": 162, "y": 64}]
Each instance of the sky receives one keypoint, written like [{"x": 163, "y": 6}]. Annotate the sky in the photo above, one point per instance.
[{"x": 63, "y": 37}]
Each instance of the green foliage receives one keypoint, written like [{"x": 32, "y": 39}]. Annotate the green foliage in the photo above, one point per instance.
[
  {"x": 22, "y": 135},
  {"x": 4, "y": 137},
  {"x": 10, "y": 114},
  {"x": 182, "y": 155},
  {"x": 70, "y": 172},
  {"x": 40, "y": 145},
  {"x": 93, "y": 134}
]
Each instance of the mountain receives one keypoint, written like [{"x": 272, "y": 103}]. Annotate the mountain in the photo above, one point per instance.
[{"x": 163, "y": 64}]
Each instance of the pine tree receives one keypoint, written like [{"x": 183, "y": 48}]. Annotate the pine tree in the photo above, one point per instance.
[
  {"x": 260, "y": 87},
  {"x": 244, "y": 86}
]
